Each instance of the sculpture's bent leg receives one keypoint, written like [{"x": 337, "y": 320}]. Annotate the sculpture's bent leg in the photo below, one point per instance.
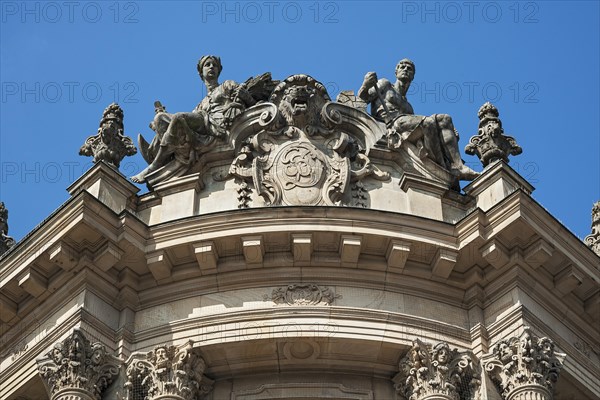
[
  {"x": 449, "y": 139},
  {"x": 182, "y": 132}
]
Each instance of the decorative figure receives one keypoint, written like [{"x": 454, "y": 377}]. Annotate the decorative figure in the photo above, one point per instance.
[
  {"x": 525, "y": 367},
  {"x": 592, "y": 240},
  {"x": 167, "y": 373},
  {"x": 109, "y": 144},
  {"x": 182, "y": 137},
  {"x": 434, "y": 135},
  {"x": 6, "y": 242},
  {"x": 438, "y": 373},
  {"x": 302, "y": 149},
  {"x": 490, "y": 144},
  {"x": 78, "y": 369}
]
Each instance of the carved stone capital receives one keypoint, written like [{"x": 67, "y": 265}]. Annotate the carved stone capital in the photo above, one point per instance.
[
  {"x": 76, "y": 369},
  {"x": 167, "y": 373},
  {"x": 525, "y": 367},
  {"x": 437, "y": 373}
]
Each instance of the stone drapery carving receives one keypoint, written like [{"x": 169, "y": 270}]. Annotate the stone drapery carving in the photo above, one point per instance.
[
  {"x": 109, "y": 144},
  {"x": 300, "y": 148},
  {"x": 435, "y": 136},
  {"x": 6, "y": 242},
  {"x": 437, "y": 373},
  {"x": 183, "y": 137},
  {"x": 167, "y": 373},
  {"x": 306, "y": 294},
  {"x": 76, "y": 369},
  {"x": 593, "y": 239},
  {"x": 491, "y": 144},
  {"x": 525, "y": 367}
]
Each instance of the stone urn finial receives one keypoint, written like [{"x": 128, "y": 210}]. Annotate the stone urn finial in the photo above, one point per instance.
[{"x": 491, "y": 144}]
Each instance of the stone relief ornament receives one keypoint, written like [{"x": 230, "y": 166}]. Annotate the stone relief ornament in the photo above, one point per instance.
[
  {"x": 167, "y": 373},
  {"x": 592, "y": 240},
  {"x": 6, "y": 242},
  {"x": 437, "y": 373},
  {"x": 303, "y": 295},
  {"x": 491, "y": 144},
  {"x": 109, "y": 144},
  {"x": 300, "y": 148},
  {"x": 524, "y": 367},
  {"x": 78, "y": 369}
]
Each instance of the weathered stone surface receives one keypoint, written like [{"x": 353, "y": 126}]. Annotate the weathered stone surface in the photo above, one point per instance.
[
  {"x": 593, "y": 239},
  {"x": 6, "y": 242},
  {"x": 78, "y": 369},
  {"x": 524, "y": 367},
  {"x": 491, "y": 144},
  {"x": 167, "y": 373},
  {"x": 437, "y": 373},
  {"x": 435, "y": 136},
  {"x": 109, "y": 144}
]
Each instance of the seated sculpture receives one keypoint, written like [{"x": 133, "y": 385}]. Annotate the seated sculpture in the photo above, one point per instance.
[
  {"x": 182, "y": 135},
  {"x": 437, "y": 134}
]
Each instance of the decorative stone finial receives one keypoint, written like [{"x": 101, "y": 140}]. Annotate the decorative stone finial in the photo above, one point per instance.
[
  {"x": 76, "y": 369},
  {"x": 490, "y": 144},
  {"x": 437, "y": 373},
  {"x": 593, "y": 240},
  {"x": 168, "y": 373},
  {"x": 525, "y": 367},
  {"x": 6, "y": 242},
  {"x": 109, "y": 144}
]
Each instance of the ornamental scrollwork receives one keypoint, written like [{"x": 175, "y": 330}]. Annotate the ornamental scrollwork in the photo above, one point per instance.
[
  {"x": 306, "y": 294},
  {"x": 75, "y": 363}
]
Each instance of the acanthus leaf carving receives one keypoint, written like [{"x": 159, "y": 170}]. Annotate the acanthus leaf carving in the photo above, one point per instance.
[
  {"x": 524, "y": 364},
  {"x": 167, "y": 372},
  {"x": 77, "y": 365},
  {"x": 438, "y": 373}
]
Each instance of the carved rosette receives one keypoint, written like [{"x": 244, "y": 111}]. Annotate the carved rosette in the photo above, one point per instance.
[
  {"x": 491, "y": 144},
  {"x": 437, "y": 373},
  {"x": 525, "y": 367},
  {"x": 593, "y": 240},
  {"x": 303, "y": 295},
  {"x": 167, "y": 373},
  {"x": 76, "y": 369}
]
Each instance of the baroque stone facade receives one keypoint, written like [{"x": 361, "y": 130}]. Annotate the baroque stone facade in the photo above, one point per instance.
[{"x": 294, "y": 247}]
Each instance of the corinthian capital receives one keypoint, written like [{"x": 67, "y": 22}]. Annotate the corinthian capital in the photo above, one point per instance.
[
  {"x": 168, "y": 373},
  {"x": 524, "y": 367},
  {"x": 437, "y": 373},
  {"x": 77, "y": 369}
]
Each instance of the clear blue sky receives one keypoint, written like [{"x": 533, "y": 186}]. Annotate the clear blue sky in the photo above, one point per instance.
[{"x": 62, "y": 63}]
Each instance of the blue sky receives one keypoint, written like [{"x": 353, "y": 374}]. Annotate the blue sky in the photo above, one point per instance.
[{"x": 62, "y": 63}]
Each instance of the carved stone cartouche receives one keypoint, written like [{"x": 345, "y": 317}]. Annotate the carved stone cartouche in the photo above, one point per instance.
[
  {"x": 76, "y": 369},
  {"x": 306, "y": 294},
  {"x": 525, "y": 367},
  {"x": 300, "y": 148},
  {"x": 438, "y": 373},
  {"x": 109, "y": 144},
  {"x": 593, "y": 239},
  {"x": 167, "y": 373},
  {"x": 6, "y": 242},
  {"x": 491, "y": 144}
]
